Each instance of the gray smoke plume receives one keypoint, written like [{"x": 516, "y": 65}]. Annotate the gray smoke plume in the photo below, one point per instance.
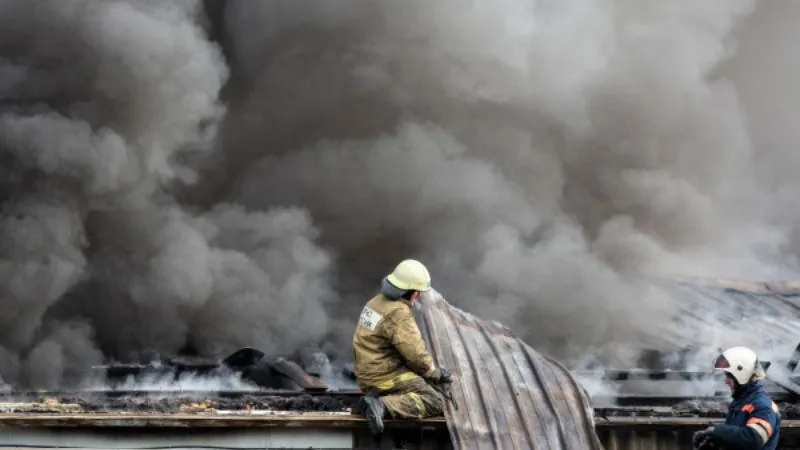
[{"x": 190, "y": 175}]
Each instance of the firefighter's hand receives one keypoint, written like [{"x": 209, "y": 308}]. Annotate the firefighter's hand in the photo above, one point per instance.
[
  {"x": 445, "y": 377},
  {"x": 702, "y": 439}
]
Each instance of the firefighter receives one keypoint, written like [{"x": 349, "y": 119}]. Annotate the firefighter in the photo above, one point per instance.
[
  {"x": 753, "y": 420},
  {"x": 392, "y": 365}
]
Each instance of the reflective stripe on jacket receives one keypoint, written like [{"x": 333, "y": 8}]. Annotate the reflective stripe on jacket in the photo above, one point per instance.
[{"x": 753, "y": 421}]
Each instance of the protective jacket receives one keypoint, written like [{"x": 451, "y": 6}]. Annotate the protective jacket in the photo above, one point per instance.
[
  {"x": 388, "y": 346},
  {"x": 752, "y": 423}
]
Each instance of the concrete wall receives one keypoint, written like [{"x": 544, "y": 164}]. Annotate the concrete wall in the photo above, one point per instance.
[
  {"x": 132, "y": 438},
  {"x": 307, "y": 438},
  {"x": 674, "y": 439},
  {"x": 223, "y": 438}
]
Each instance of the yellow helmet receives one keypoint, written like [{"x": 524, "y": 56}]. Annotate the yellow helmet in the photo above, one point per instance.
[{"x": 410, "y": 275}]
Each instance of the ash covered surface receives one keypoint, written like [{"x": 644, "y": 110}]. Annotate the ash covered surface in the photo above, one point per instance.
[
  {"x": 190, "y": 403},
  {"x": 204, "y": 402},
  {"x": 789, "y": 411}
]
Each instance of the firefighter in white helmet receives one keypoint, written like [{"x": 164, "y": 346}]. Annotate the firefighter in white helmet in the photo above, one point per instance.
[
  {"x": 753, "y": 420},
  {"x": 392, "y": 365}
]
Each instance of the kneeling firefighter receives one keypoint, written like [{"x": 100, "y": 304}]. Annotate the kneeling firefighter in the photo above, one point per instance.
[
  {"x": 392, "y": 365},
  {"x": 753, "y": 420}
]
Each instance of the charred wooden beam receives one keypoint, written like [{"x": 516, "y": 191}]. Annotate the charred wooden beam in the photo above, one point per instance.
[
  {"x": 655, "y": 375},
  {"x": 316, "y": 421},
  {"x": 294, "y": 372}
]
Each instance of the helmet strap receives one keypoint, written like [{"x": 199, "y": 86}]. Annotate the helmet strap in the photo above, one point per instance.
[
  {"x": 407, "y": 294},
  {"x": 738, "y": 388}
]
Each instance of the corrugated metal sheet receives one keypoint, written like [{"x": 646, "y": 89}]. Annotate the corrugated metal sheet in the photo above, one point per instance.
[{"x": 509, "y": 396}]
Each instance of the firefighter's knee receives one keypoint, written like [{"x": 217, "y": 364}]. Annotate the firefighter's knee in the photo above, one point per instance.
[{"x": 409, "y": 405}]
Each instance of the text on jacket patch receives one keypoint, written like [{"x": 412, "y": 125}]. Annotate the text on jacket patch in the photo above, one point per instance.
[{"x": 369, "y": 318}]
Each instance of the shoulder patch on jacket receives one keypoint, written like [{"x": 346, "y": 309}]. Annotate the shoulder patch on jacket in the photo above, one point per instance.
[{"x": 369, "y": 318}]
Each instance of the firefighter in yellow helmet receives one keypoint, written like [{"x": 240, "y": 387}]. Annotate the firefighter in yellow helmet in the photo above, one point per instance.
[{"x": 392, "y": 365}]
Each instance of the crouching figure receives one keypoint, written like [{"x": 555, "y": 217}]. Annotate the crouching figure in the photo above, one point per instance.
[{"x": 392, "y": 364}]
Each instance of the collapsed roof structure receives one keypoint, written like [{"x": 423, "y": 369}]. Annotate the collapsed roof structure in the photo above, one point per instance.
[{"x": 507, "y": 394}]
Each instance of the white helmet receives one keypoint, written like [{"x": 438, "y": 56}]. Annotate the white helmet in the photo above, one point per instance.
[
  {"x": 410, "y": 275},
  {"x": 742, "y": 363}
]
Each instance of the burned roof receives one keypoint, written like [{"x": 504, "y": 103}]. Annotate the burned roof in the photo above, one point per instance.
[
  {"x": 506, "y": 391},
  {"x": 769, "y": 313},
  {"x": 159, "y": 402},
  {"x": 295, "y": 409}
]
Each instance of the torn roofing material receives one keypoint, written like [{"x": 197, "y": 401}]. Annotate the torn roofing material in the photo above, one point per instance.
[{"x": 509, "y": 396}]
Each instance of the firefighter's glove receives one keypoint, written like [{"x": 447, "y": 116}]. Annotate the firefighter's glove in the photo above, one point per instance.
[
  {"x": 445, "y": 377},
  {"x": 701, "y": 440}
]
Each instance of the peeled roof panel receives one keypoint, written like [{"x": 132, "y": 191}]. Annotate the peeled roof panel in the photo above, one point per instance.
[{"x": 509, "y": 396}]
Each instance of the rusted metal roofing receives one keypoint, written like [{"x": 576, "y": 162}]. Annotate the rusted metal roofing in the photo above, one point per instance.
[{"x": 509, "y": 396}]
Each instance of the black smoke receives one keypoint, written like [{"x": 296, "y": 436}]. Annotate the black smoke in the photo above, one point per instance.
[{"x": 191, "y": 176}]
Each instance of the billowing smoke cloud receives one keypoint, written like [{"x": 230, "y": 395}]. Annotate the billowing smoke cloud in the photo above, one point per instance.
[
  {"x": 198, "y": 176},
  {"x": 101, "y": 103}
]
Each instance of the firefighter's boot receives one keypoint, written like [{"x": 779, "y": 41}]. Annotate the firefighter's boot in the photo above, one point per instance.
[{"x": 372, "y": 408}]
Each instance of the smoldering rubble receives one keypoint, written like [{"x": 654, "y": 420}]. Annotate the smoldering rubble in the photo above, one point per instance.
[
  {"x": 192, "y": 177},
  {"x": 203, "y": 405}
]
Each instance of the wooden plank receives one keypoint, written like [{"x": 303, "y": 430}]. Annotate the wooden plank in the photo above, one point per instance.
[
  {"x": 671, "y": 422},
  {"x": 215, "y": 420},
  {"x": 315, "y": 420}
]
